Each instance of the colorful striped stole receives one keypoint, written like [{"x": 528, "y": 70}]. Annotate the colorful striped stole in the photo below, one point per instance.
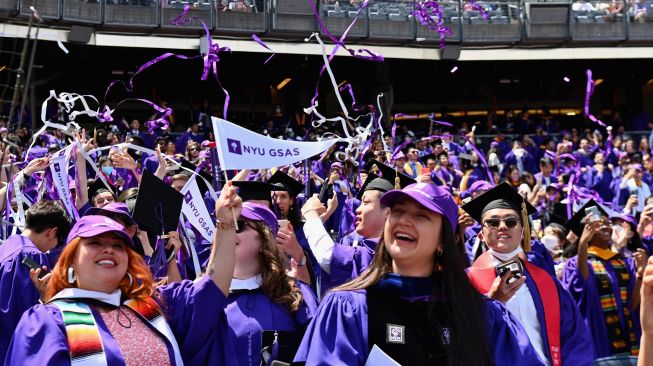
[
  {"x": 83, "y": 334},
  {"x": 621, "y": 340}
]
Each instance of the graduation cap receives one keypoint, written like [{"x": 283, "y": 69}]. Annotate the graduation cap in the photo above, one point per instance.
[
  {"x": 284, "y": 182},
  {"x": 250, "y": 190},
  {"x": 502, "y": 196},
  {"x": 158, "y": 205},
  {"x": 575, "y": 223},
  {"x": 200, "y": 182},
  {"x": 98, "y": 187},
  {"x": 424, "y": 159},
  {"x": 400, "y": 180},
  {"x": 376, "y": 183}
]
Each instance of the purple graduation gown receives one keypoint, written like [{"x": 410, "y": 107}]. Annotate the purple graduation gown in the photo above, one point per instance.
[
  {"x": 348, "y": 262},
  {"x": 17, "y": 293},
  {"x": 338, "y": 334},
  {"x": 587, "y": 298},
  {"x": 191, "y": 310},
  {"x": 248, "y": 313}
]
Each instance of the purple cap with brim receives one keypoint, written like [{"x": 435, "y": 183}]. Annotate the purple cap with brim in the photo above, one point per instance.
[
  {"x": 435, "y": 199},
  {"x": 114, "y": 208},
  {"x": 94, "y": 225},
  {"x": 636, "y": 167},
  {"x": 480, "y": 185},
  {"x": 255, "y": 212},
  {"x": 627, "y": 218}
]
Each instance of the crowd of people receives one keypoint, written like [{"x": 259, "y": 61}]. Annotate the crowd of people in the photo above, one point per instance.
[{"x": 427, "y": 250}]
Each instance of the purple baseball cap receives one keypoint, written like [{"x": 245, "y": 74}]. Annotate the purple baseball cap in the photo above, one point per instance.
[
  {"x": 479, "y": 185},
  {"x": 255, "y": 212},
  {"x": 435, "y": 199},
  {"x": 636, "y": 167},
  {"x": 627, "y": 218},
  {"x": 93, "y": 225},
  {"x": 114, "y": 208}
]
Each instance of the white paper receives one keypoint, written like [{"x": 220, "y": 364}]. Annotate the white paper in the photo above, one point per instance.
[{"x": 379, "y": 358}]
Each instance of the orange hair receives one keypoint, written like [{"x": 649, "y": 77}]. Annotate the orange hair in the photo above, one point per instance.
[{"x": 142, "y": 286}]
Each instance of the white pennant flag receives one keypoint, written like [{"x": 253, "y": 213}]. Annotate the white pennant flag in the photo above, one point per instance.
[
  {"x": 59, "y": 170},
  {"x": 195, "y": 210},
  {"x": 240, "y": 148}
]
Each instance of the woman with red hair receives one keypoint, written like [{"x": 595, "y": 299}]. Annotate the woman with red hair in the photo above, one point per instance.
[{"x": 102, "y": 307}]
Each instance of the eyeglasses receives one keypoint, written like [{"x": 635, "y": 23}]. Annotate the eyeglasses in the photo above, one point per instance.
[
  {"x": 510, "y": 222},
  {"x": 193, "y": 149}
]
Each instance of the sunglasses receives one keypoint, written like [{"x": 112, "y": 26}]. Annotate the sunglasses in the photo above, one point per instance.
[
  {"x": 241, "y": 224},
  {"x": 193, "y": 149},
  {"x": 510, "y": 222}
]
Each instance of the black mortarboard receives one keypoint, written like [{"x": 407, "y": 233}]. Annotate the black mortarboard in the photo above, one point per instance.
[
  {"x": 575, "y": 223},
  {"x": 284, "y": 182},
  {"x": 391, "y": 174},
  {"x": 254, "y": 190},
  {"x": 97, "y": 187},
  {"x": 502, "y": 196},
  {"x": 376, "y": 183},
  {"x": 158, "y": 205},
  {"x": 426, "y": 157},
  {"x": 200, "y": 182}
]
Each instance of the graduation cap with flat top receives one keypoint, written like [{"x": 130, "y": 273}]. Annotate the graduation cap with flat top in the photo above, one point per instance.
[
  {"x": 250, "y": 190},
  {"x": 375, "y": 183},
  {"x": 98, "y": 187},
  {"x": 158, "y": 205},
  {"x": 284, "y": 182},
  {"x": 576, "y": 224},
  {"x": 390, "y": 175},
  {"x": 502, "y": 196}
]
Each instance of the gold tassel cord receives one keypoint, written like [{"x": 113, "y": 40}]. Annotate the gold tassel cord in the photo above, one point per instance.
[
  {"x": 397, "y": 181},
  {"x": 527, "y": 227}
]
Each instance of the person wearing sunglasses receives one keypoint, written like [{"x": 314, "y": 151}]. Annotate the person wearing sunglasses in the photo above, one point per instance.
[
  {"x": 266, "y": 309},
  {"x": 193, "y": 152},
  {"x": 413, "y": 303},
  {"x": 521, "y": 279}
]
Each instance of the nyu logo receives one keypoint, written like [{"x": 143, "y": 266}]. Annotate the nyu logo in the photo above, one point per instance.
[
  {"x": 234, "y": 147},
  {"x": 57, "y": 168},
  {"x": 395, "y": 333},
  {"x": 188, "y": 197}
]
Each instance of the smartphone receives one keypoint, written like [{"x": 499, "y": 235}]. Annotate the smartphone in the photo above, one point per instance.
[
  {"x": 467, "y": 200},
  {"x": 514, "y": 267},
  {"x": 593, "y": 213},
  {"x": 426, "y": 170},
  {"x": 284, "y": 224},
  {"x": 31, "y": 264}
]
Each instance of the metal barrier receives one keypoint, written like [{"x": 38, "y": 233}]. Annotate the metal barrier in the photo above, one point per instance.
[
  {"x": 240, "y": 16},
  {"x": 292, "y": 16},
  {"x": 392, "y": 19},
  {"x": 507, "y": 21},
  {"x": 201, "y": 9},
  {"x": 133, "y": 13},
  {"x": 598, "y": 20},
  {"x": 640, "y": 16},
  {"x": 10, "y": 6},
  {"x": 47, "y": 9},
  {"x": 83, "y": 11},
  {"x": 500, "y": 24},
  {"x": 338, "y": 17}
]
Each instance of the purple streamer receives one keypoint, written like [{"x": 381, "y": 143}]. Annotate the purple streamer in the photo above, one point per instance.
[
  {"x": 260, "y": 41},
  {"x": 424, "y": 13},
  {"x": 589, "y": 90},
  {"x": 350, "y": 89},
  {"x": 481, "y": 157}
]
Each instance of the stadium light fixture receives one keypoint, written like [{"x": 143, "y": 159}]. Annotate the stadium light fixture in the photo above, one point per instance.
[
  {"x": 598, "y": 82},
  {"x": 454, "y": 69},
  {"x": 566, "y": 79},
  {"x": 283, "y": 83}
]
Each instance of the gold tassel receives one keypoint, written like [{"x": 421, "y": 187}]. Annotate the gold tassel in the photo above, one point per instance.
[
  {"x": 397, "y": 181},
  {"x": 527, "y": 227}
]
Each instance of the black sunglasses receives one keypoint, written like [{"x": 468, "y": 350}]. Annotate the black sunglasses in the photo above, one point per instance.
[
  {"x": 193, "y": 149},
  {"x": 241, "y": 226},
  {"x": 510, "y": 222}
]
